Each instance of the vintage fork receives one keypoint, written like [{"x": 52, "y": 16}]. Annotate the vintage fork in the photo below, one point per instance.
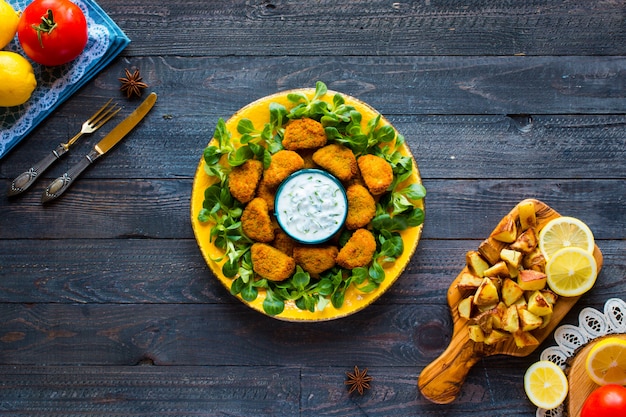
[{"x": 96, "y": 121}]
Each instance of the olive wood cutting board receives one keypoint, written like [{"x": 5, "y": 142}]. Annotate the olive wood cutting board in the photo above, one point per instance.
[
  {"x": 580, "y": 385},
  {"x": 442, "y": 379}
]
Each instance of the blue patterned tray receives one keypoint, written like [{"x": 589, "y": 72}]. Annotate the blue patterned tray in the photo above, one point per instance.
[{"x": 56, "y": 84}]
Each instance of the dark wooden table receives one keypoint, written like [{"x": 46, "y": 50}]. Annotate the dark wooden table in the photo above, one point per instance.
[{"x": 106, "y": 305}]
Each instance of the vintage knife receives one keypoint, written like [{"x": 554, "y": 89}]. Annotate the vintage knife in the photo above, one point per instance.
[{"x": 58, "y": 186}]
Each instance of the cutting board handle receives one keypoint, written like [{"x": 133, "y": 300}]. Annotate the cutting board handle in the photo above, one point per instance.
[{"x": 441, "y": 380}]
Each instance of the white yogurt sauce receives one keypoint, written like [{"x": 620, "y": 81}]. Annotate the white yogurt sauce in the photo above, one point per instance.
[{"x": 311, "y": 206}]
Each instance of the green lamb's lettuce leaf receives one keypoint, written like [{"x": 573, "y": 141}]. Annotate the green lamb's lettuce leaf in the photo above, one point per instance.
[{"x": 272, "y": 305}]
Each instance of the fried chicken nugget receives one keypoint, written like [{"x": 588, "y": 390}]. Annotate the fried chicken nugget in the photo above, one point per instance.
[
  {"x": 376, "y": 172},
  {"x": 338, "y": 160},
  {"x": 358, "y": 251},
  {"x": 315, "y": 259},
  {"x": 256, "y": 222},
  {"x": 307, "y": 156},
  {"x": 304, "y": 133},
  {"x": 243, "y": 180},
  {"x": 283, "y": 242},
  {"x": 283, "y": 164},
  {"x": 361, "y": 207},
  {"x": 271, "y": 263},
  {"x": 267, "y": 193}
]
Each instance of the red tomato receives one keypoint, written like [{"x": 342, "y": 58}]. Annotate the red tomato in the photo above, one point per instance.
[
  {"x": 52, "y": 32},
  {"x": 606, "y": 401}
]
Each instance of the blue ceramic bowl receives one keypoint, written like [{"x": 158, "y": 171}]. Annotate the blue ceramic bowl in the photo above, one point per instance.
[{"x": 311, "y": 206}]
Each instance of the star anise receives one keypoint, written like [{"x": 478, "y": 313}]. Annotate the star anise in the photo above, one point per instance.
[
  {"x": 132, "y": 84},
  {"x": 359, "y": 380}
]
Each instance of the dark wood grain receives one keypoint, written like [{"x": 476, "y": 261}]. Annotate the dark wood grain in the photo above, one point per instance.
[
  {"x": 377, "y": 28},
  {"x": 199, "y": 89},
  {"x": 106, "y": 305},
  {"x": 444, "y": 146},
  {"x": 170, "y": 271},
  {"x": 208, "y": 334},
  {"x": 208, "y": 391},
  {"x": 158, "y": 208},
  {"x": 149, "y": 390}
]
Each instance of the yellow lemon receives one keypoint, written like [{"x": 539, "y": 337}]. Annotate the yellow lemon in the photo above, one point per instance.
[
  {"x": 545, "y": 384},
  {"x": 8, "y": 23},
  {"x": 606, "y": 361},
  {"x": 18, "y": 79},
  {"x": 565, "y": 232},
  {"x": 571, "y": 272}
]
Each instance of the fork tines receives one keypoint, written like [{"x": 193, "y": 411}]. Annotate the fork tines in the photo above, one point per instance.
[{"x": 104, "y": 114}]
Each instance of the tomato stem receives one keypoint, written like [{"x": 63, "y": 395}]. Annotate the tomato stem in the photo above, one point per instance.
[{"x": 47, "y": 25}]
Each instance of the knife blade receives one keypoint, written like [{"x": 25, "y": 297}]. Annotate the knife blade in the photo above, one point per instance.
[{"x": 61, "y": 184}]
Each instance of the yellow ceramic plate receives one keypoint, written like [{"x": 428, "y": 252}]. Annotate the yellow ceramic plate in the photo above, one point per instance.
[{"x": 258, "y": 113}]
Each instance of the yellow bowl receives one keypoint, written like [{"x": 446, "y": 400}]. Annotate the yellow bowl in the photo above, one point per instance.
[{"x": 355, "y": 300}]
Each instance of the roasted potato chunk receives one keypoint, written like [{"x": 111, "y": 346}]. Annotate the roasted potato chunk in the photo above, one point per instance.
[
  {"x": 527, "y": 216},
  {"x": 506, "y": 230},
  {"x": 526, "y": 242},
  {"x": 476, "y": 263},
  {"x": 504, "y": 283}
]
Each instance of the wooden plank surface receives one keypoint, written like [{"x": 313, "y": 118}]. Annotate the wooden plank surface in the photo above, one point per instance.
[
  {"x": 158, "y": 208},
  {"x": 148, "y": 390},
  {"x": 106, "y": 306},
  {"x": 406, "y": 85},
  {"x": 522, "y": 147},
  {"x": 209, "y": 391},
  {"x": 170, "y": 271},
  {"x": 378, "y": 28}
]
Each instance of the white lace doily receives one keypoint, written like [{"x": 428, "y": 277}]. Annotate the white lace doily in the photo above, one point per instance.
[{"x": 569, "y": 338}]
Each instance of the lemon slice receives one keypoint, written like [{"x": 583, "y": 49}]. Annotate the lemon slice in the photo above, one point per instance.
[
  {"x": 565, "y": 232},
  {"x": 571, "y": 272},
  {"x": 545, "y": 384},
  {"x": 606, "y": 362}
]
